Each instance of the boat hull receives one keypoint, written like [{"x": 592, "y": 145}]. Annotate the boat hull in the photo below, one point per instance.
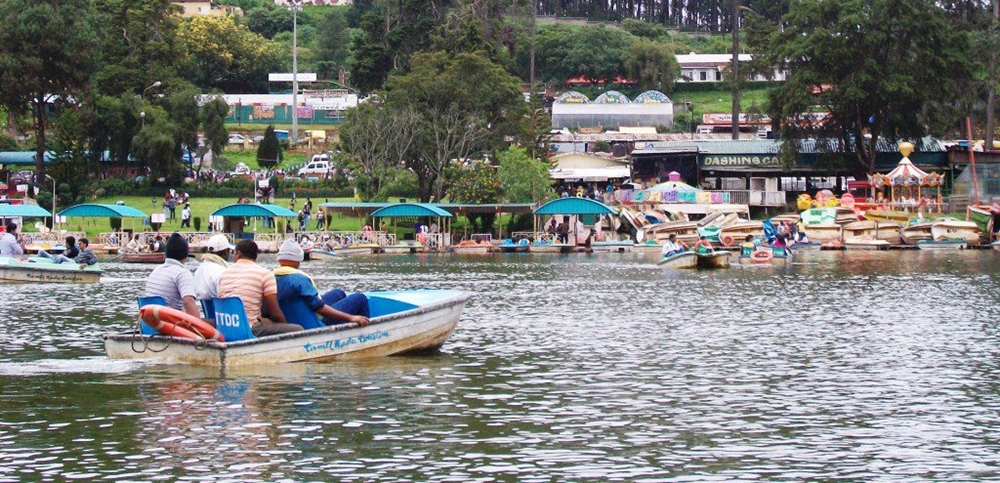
[
  {"x": 612, "y": 247},
  {"x": 424, "y": 328},
  {"x": 944, "y": 244},
  {"x": 322, "y": 255},
  {"x": 956, "y": 230},
  {"x": 680, "y": 260},
  {"x": 471, "y": 250},
  {"x": 13, "y": 270},
  {"x": 551, "y": 248},
  {"x": 156, "y": 258},
  {"x": 713, "y": 260},
  {"x": 824, "y": 233}
]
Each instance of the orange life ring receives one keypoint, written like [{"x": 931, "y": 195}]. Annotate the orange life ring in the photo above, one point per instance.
[
  {"x": 727, "y": 240},
  {"x": 761, "y": 256},
  {"x": 170, "y": 321}
]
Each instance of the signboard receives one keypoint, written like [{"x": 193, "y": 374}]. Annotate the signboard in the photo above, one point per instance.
[
  {"x": 727, "y": 118},
  {"x": 741, "y": 161},
  {"x": 287, "y": 77},
  {"x": 157, "y": 218}
]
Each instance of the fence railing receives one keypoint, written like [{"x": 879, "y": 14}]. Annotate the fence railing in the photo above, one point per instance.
[{"x": 754, "y": 197}]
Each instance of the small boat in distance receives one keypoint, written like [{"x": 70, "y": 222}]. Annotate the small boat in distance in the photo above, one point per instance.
[
  {"x": 680, "y": 260},
  {"x": 155, "y": 257},
  {"x": 402, "y": 322},
  {"x": 319, "y": 254}
]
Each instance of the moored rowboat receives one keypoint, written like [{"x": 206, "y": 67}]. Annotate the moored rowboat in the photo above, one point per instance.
[
  {"x": 318, "y": 254},
  {"x": 155, "y": 257},
  {"x": 402, "y": 322},
  {"x": 713, "y": 260}
]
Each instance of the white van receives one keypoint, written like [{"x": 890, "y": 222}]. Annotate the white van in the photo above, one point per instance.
[
  {"x": 320, "y": 157},
  {"x": 316, "y": 168}
]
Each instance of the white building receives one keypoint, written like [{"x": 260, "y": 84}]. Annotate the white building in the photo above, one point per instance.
[
  {"x": 315, "y": 2},
  {"x": 710, "y": 67}
]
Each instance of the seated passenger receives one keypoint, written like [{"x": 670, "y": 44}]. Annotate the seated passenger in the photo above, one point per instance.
[
  {"x": 171, "y": 280},
  {"x": 300, "y": 300},
  {"x": 748, "y": 246},
  {"x": 704, "y": 246},
  {"x": 71, "y": 252},
  {"x": 84, "y": 257},
  {"x": 255, "y": 286},
  {"x": 673, "y": 247},
  {"x": 213, "y": 264}
]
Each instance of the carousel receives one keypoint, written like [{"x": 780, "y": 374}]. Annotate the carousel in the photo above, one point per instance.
[{"x": 910, "y": 189}]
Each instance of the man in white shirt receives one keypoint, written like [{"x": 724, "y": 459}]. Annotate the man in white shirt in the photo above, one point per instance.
[
  {"x": 10, "y": 242},
  {"x": 186, "y": 217},
  {"x": 171, "y": 280},
  {"x": 673, "y": 247},
  {"x": 213, "y": 263}
]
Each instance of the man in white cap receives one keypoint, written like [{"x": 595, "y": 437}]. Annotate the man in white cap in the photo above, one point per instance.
[
  {"x": 213, "y": 263},
  {"x": 299, "y": 297}
]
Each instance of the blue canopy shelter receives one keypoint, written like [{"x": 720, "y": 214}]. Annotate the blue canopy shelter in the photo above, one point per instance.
[
  {"x": 572, "y": 206},
  {"x": 8, "y": 210},
  {"x": 415, "y": 210},
  {"x": 238, "y": 211},
  {"x": 98, "y": 210}
]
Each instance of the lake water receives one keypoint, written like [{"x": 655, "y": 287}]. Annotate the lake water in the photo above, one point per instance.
[{"x": 841, "y": 366}]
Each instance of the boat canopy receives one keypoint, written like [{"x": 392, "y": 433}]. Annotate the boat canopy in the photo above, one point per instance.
[
  {"x": 97, "y": 210},
  {"x": 409, "y": 210},
  {"x": 253, "y": 210},
  {"x": 23, "y": 211},
  {"x": 575, "y": 206}
]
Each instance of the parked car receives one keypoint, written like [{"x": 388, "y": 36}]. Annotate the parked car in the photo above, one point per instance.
[
  {"x": 316, "y": 168},
  {"x": 236, "y": 139}
]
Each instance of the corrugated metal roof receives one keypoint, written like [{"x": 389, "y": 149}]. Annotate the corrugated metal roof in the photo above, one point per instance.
[
  {"x": 453, "y": 208},
  {"x": 253, "y": 209},
  {"x": 771, "y": 146},
  {"x": 574, "y": 206},
  {"x": 8, "y": 210},
  {"x": 405, "y": 210},
  {"x": 102, "y": 211}
]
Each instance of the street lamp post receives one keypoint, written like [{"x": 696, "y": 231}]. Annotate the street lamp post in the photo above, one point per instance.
[
  {"x": 295, "y": 5},
  {"x": 142, "y": 98},
  {"x": 54, "y": 217}
]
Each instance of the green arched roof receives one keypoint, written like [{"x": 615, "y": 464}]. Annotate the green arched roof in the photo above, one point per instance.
[
  {"x": 405, "y": 210},
  {"x": 9, "y": 211},
  {"x": 254, "y": 210},
  {"x": 102, "y": 211},
  {"x": 574, "y": 206}
]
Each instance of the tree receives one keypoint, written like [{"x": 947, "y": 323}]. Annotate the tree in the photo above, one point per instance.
[
  {"x": 269, "y": 150},
  {"x": 467, "y": 105},
  {"x": 213, "y": 125},
  {"x": 475, "y": 182},
  {"x": 43, "y": 59},
  {"x": 376, "y": 139},
  {"x": 269, "y": 21},
  {"x": 333, "y": 42},
  {"x": 524, "y": 180},
  {"x": 156, "y": 146},
  {"x": 652, "y": 65},
  {"x": 878, "y": 66},
  {"x": 223, "y": 55}
]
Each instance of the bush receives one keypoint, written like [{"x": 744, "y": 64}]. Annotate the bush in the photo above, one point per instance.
[{"x": 197, "y": 223}]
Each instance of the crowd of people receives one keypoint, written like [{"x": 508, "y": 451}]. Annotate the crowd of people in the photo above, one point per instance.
[{"x": 276, "y": 302}]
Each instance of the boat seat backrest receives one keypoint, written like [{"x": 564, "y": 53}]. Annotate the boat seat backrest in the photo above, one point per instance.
[
  {"x": 155, "y": 300},
  {"x": 231, "y": 319},
  {"x": 208, "y": 307}
]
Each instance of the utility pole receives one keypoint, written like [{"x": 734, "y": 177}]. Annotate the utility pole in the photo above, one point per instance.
[
  {"x": 295, "y": 5},
  {"x": 736, "y": 69}
]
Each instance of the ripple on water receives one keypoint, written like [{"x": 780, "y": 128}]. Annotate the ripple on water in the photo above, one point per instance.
[{"x": 840, "y": 366}]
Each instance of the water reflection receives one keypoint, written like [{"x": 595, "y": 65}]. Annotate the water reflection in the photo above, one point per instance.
[{"x": 837, "y": 366}]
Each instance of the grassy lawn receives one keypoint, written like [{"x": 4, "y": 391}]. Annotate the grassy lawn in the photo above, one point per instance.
[
  {"x": 721, "y": 101},
  {"x": 235, "y": 154}
]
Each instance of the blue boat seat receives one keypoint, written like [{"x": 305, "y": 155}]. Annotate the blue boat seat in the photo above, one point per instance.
[
  {"x": 231, "y": 319},
  {"x": 155, "y": 300},
  {"x": 208, "y": 307},
  {"x": 779, "y": 252},
  {"x": 745, "y": 252}
]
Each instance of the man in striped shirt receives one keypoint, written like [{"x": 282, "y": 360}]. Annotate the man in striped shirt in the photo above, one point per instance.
[
  {"x": 256, "y": 287},
  {"x": 171, "y": 280}
]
